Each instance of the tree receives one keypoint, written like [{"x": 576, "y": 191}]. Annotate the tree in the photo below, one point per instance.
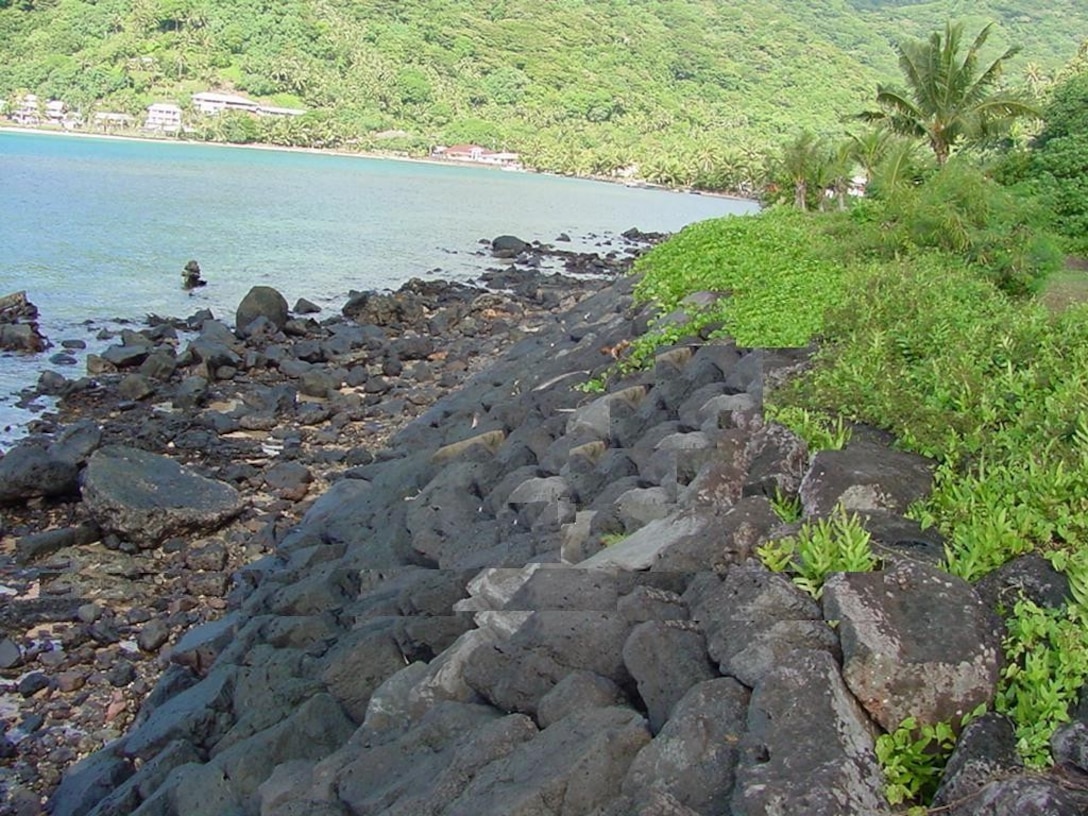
[
  {"x": 802, "y": 167},
  {"x": 947, "y": 98}
]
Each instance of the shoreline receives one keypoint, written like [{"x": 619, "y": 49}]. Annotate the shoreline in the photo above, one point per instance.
[{"x": 7, "y": 127}]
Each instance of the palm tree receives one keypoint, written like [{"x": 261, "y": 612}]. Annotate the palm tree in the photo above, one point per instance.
[
  {"x": 948, "y": 98},
  {"x": 800, "y": 166}
]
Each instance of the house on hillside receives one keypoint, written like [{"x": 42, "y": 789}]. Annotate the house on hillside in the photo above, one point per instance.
[
  {"x": 109, "y": 120},
  {"x": 164, "y": 117},
  {"x": 214, "y": 102},
  {"x": 27, "y": 110},
  {"x": 55, "y": 110},
  {"x": 475, "y": 153},
  {"x": 272, "y": 110}
]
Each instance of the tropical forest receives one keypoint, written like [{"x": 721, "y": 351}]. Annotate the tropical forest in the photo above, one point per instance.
[
  {"x": 924, "y": 173},
  {"x": 686, "y": 92}
]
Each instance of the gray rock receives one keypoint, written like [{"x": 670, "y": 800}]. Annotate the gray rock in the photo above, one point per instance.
[
  {"x": 89, "y": 781},
  {"x": 359, "y": 663},
  {"x": 578, "y": 763},
  {"x": 514, "y": 674},
  {"x": 314, "y": 730},
  {"x": 261, "y": 301},
  {"x": 577, "y": 691},
  {"x": 891, "y": 660},
  {"x": 38, "y": 545},
  {"x": 126, "y": 356},
  {"x": 754, "y": 618},
  {"x": 142, "y": 785},
  {"x": 693, "y": 758},
  {"x": 1068, "y": 745},
  {"x": 985, "y": 751},
  {"x": 200, "y": 715},
  {"x": 865, "y": 476},
  {"x": 809, "y": 747},
  {"x": 666, "y": 658},
  {"x": 10, "y": 653},
  {"x": 638, "y": 507},
  {"x": 147, "y": 498},
  {"x": 31, "y": 469},
  {"x": 375, "y": 773},
  {"x": 1027, "y": 795},
  {"x": 136, "y": 387},
  {"x": 730, "y": 537}
]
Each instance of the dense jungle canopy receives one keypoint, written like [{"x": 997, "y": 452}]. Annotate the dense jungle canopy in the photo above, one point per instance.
[{"x": 693, "y": 92}]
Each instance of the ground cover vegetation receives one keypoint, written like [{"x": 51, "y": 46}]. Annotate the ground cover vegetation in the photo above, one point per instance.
[
  {"x": 692, "y": 92},
  {"x": 924, "y": 302}
]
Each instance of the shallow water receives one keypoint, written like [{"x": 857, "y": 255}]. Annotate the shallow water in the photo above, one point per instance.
[{"x": 99, "y": 229}]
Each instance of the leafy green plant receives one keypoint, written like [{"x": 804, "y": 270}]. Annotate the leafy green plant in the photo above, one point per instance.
[
  {"x": 836, "y": 544},
  {"x": 818, "y": 430},
  {"x": 912, "y": 758},
  {"x": 786, "y": 507},
  {"x": 1047, "y": 665}
]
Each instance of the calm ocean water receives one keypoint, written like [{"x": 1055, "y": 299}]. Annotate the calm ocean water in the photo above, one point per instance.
[{"x": 99, "y": 229}]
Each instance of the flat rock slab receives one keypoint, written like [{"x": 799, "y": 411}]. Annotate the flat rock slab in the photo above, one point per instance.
[{"x": 146, "y": 498}]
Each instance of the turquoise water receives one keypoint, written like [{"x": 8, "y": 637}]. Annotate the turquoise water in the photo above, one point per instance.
[{"x": 99, "y": 229}]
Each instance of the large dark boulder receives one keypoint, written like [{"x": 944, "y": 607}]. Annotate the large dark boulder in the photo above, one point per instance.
[
  {"x": 146, "y": 498},
  {"x": 809, "y": 747},
  {"x": 865, "y": 476},
  {"x": 32, "y": 469},
  {"x": 261, "y": 301},
  {"x": 891, "y": 660}
]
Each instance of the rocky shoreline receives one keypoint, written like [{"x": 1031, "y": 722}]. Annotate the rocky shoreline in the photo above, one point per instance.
[{"x": 394, "y": 562}]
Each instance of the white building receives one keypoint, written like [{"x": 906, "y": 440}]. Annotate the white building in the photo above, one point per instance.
[
  {"x": 27, "y": 110},
  {"x": 55, "y": 110},
  {"x": 214, "y": 102},
  {"x": 163, "y": 116}
]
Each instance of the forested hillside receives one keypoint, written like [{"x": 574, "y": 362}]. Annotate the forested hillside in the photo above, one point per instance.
[{"x": 693, "y": 91}]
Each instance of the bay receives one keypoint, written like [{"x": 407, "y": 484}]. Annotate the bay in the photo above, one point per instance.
[{"x": 97, "y": 230}]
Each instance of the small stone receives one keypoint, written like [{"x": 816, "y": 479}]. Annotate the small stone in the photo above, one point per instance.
[
  {"x": 32, "y": 684},
  {"x": 10, "y": 654},
  {"x": 153, "y": 635},
  {"x": 122, "y": 673},
  {"x": 89, "y": 613},
  {"x": 71, "y": 680}
]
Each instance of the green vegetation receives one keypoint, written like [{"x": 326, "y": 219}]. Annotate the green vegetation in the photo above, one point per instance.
[
  {"x": 948, "y": 98},
  {"x": 912, "y": 758},
  {"x": 693, "y": 92},
  {"x": 836, "y": 544},
  {"x": 925, "y": 301}
]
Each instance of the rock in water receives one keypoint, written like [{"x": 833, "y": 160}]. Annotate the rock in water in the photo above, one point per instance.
[
  {"x": 146, "y": 498},
  {"x": 261, "y": 301}
]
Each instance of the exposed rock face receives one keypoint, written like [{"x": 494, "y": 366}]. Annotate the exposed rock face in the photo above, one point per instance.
[{"x": 145, "y": 498}]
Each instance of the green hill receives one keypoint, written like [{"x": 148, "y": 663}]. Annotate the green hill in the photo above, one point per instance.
[{"x": 693, "y": 91}]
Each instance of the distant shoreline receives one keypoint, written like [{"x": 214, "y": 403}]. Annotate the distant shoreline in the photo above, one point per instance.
[{"x": 354, "y": 154}]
